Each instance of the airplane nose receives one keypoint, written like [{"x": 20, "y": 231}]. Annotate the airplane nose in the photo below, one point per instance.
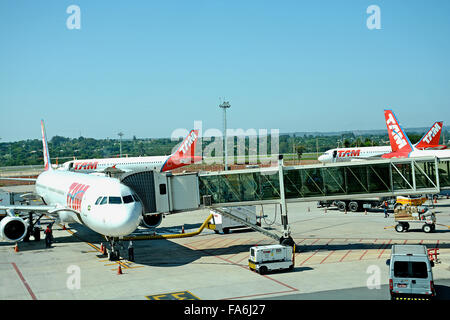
[
  {"x": 124, "y": 221},
  {"x": 132, "y": 217}
]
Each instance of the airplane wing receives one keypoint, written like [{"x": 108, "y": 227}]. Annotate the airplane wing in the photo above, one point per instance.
[
  {"x": 366, "y": 158},
  {"x": 46, "y": 209},
  {"x": 110, "y": 171},
  {"x": 19, "y": 179},
  {"x": 14, "y": 220},
  {"x": 114, "y": 170}
]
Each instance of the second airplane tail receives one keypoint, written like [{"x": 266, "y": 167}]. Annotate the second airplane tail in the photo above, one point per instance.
[
  {"x": 431, "y": 139},
  {"x": 185, "y": 153}
]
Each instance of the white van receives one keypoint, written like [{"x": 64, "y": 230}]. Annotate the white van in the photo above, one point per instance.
[{"x": 410, "y": 274}]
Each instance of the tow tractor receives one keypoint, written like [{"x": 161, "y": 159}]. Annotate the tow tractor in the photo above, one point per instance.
[
  {"x": 272, "y": 257},
  {"x": 406, "y": 214}
]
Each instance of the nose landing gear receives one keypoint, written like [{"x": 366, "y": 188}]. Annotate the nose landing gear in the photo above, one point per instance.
[{"x": 113, "y": 252}]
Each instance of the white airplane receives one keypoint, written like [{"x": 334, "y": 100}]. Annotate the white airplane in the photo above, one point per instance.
[
  {"x": 400, "y": 144},
  {"x": 102, "y": 204},
  {"x": 430, "y": 141},
  {"x": 183, "y": 156}
]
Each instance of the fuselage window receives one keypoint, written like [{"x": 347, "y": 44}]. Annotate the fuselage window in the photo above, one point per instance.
[{"x": 115, "y": 200}]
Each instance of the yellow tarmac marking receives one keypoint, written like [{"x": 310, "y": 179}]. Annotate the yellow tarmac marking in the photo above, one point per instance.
[
  {"x": 97, "y": 249},
  {"x": 181, "y": 295}
]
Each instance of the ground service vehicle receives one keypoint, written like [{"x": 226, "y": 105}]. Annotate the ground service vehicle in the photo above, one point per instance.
[
  {"x": 404, "y": 215},
  {"x": 270, "y": 258},
  {"x": 413, "y": 200},
  {"x": 410, "y": 273}
]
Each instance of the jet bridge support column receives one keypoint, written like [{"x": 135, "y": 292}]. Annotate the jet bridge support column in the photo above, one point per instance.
[{"x": 286, "y": 239}]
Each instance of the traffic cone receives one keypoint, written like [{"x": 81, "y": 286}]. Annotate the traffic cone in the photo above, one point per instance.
[
  {"x": 435, "y": 200},
  {"x": 64, "y": 227},
  {"x": 16, "y": 248},
  {"x": 365, "y": 212},
  {"x": 119, "y": 270},
  {"x": 101, "y": 247},
  {"x": 182, "y": 228}
]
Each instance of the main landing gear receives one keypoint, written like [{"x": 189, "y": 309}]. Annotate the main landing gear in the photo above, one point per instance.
[{"x": 33, "y": 229}]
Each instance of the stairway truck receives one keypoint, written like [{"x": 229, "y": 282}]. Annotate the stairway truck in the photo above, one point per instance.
[
  {"x": 270, "y": 258},
  {"x": 223, "y": 224}
]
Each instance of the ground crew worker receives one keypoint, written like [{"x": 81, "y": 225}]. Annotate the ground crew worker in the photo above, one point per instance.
[
  {"x": 386, "y": 214},
  {"x": 130, "y": 251},
  {"x": 48, "y": 236}
]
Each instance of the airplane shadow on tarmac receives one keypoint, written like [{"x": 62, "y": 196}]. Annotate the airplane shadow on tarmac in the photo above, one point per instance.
[{"x": 168, "y": 253}]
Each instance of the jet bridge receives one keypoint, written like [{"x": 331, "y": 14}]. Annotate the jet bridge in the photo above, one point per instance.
[{"x": 168, "y": 193}]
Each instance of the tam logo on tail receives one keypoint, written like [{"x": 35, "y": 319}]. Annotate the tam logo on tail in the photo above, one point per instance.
[
  {"x": 395, "y": 132},
  {"x": 432, "y": 133},
  {"x": 185, "y": 153},
  {"x": 399, "y": 140},
  {"x": 187, "y": 143},
  {"x": 431, "y": 139}
]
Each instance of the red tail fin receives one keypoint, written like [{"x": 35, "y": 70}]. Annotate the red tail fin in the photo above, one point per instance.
[
  {"x": 185, "y": 153},
  {"x": 400, "y": 144},
  {"x": 399, "y": 140},
  {"x": 431, "y": 138}
]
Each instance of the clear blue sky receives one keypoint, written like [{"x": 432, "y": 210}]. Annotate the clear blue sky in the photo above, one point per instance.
[{"x": 149, "y": 67}]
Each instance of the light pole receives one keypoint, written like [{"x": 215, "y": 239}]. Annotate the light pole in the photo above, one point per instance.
[
  {"x": 225, "y": 105},
  {"x": 120, "y": 134}
]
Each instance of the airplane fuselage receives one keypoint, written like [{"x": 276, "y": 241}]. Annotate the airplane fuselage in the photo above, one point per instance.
[
  {"x": 125, "y": 164},
  {"x": 184, "y": 155},
  {"x": 116, "y": 215},
  {"x": 349, "y": 154}
]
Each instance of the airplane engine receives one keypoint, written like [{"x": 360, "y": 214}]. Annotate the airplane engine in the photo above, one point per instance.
[
  {"x": 13, "y": 228},
  {"x": 151, "y": 221}
]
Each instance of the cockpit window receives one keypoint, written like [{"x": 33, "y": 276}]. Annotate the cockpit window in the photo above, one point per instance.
[
  {"x": 104, "y": 200},
  {"x": 98, "y": 200},
  {"x": 115, "y": 200},
  {"x": 128, "y": 199}
]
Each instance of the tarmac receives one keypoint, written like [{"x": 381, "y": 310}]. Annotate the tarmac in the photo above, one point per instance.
[{"x": 339, "y": 256}]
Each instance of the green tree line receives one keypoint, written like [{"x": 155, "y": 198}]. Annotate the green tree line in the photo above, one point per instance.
[{"x": 29, "y": 152}]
